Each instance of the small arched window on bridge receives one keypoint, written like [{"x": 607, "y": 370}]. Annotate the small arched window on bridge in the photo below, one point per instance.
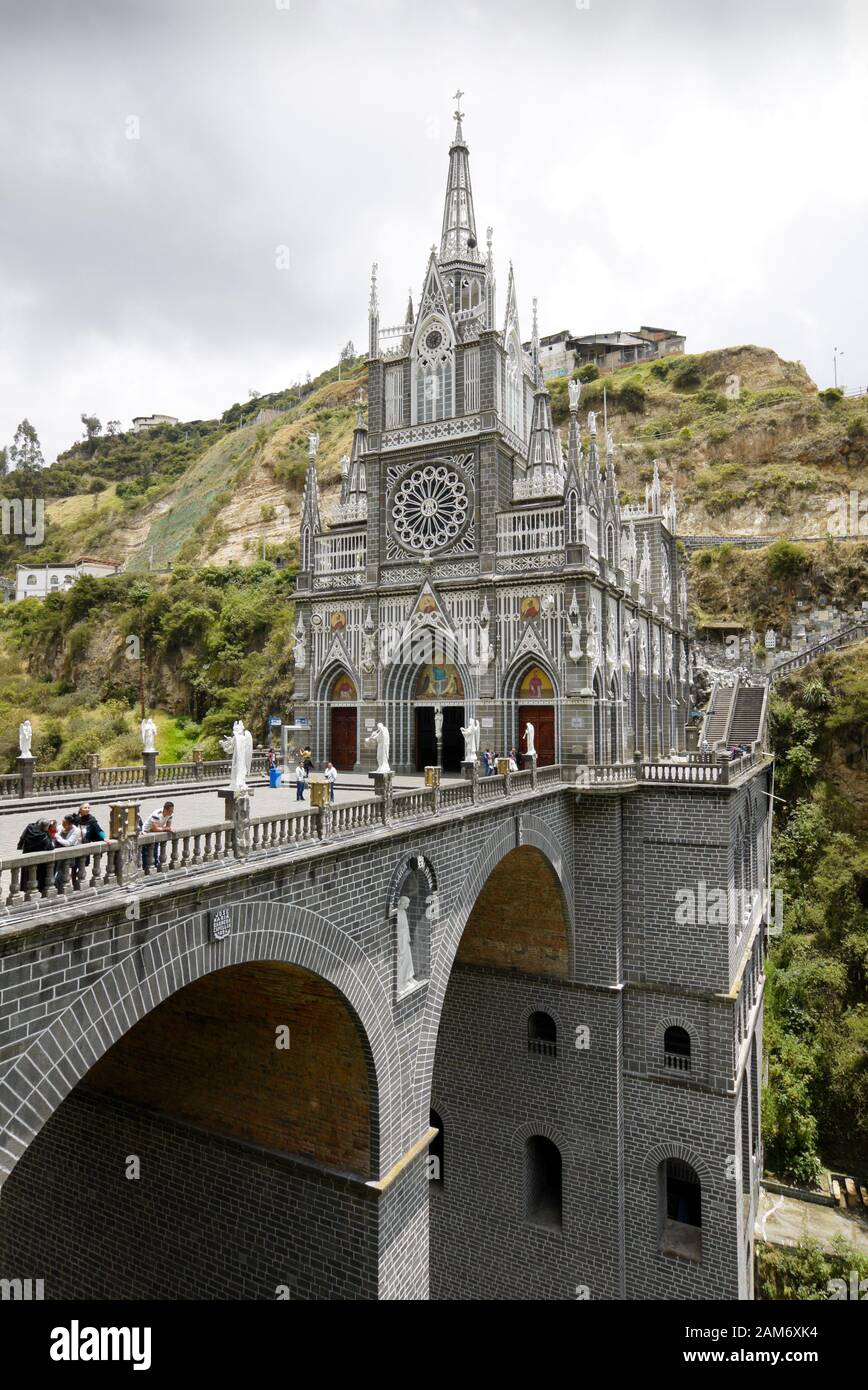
[
  {"x": 680, "y": 1193},
  {"x": 542, "y": 1035},
  {"x": 676, "y": 1049},
  {"x": 435, "y": 1152},
  {"x": 543, "y": 1182}
]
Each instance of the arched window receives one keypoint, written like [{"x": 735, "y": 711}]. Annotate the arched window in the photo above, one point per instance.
[
  {"x": 680, "y": 1208},
  {"x": 739, "y": 857},
  {"x": 542, "y": 1035},
  {"x": 305, "y": 549},
  {"x": 599, "y": 750},
  {"x": 610, "y": 544},
  {"x": 543, "y": 1182},
  {"x": 676, "y": 1049},
  {"x": 514, "y": 391},
  {"x": 572, "y": 518},
  {"x": 593, "y": 533},
  {"x": 434, "y": 374},
  {"x": 614, "y": 724},
  {"x": 435, "y": 1152},
  {"x": 475, "y": 294},
  {"x": 31, "y": 579},
  {"x": 465, "y": 293}
]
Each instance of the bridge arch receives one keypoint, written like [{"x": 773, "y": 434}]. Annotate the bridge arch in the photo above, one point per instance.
[
  {"x": 520, "y": 831},
  {"x": 61, "y": 1056}
]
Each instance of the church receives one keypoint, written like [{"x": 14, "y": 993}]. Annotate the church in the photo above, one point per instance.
[{"x": 478, "y": 566}]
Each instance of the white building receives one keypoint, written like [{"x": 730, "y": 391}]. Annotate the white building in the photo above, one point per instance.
[
  {"x": 150, "y": 422},
  {"x": 35, "y": 581}
]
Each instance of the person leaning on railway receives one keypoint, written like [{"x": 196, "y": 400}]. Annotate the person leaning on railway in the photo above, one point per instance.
[
  {"x": 67, "y": 837},
  {"x": 37, "y": 838}
]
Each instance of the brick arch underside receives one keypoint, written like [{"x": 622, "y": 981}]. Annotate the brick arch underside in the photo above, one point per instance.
[
  {"x": 66, "y": 1051},
  {"x": 536, "y": 834}
]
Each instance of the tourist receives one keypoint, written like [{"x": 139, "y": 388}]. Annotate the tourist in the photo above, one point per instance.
[
  {"x": 37, "y": 838},
  {"x": 157, "y": 822},
  {"x": 331, "y": 776},
  {"x": 300, "y": 779},
  {"x": 512, "y": 765},
  {"x": 308, "y": 762},
  {"x": 272, "y": 759},
  {"x": 91, "y": 830},
  {"x": 67, "y": 837},
  {"x": 490, "y": 763}
]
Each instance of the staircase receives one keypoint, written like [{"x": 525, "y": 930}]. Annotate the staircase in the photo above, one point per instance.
[
  {"x": 717, "y": 715},
  {"x": 745, "y": 724},
  {"x": 855, "y": 633},
  {"x": 736, "y": 714}
]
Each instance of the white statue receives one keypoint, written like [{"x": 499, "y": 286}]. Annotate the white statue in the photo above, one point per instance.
[
  {"x": 239, "y": 746},
  {"x": 592, "y": 422},
  {"x": 438, "y": 722},
  {"x": 575, "y": 626},
  {"x": 25, "y": 738},
  {"x": 611, "y": 644},
  {"x": 149, "y": 734},
  {"x": 529, "y": 738},
  {"x": 471, "y": 740},
  {"x": 406, "y": 977},
  {"x": 380, "y": 736},
  {"x": 592, "y": 648},
  {"x": 299, "y": 646},
  {"x": 575, "y": 390}
]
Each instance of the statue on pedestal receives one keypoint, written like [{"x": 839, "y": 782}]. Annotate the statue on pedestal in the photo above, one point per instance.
[
  {"x": 471, "y": 740},
  {"x": 529, "y": 735},
  {"x": 380, "y": 736},
  {"x": 239, "y": 746},
  {"x": 25, "y": 739},
  {"x": 149, "y": 734}
]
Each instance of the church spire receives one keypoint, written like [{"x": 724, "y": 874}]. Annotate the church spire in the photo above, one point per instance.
[{"x": 458, "y": 240}]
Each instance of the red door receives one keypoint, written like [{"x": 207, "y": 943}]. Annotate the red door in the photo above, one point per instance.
[
  {"x": 344, "y": 748},
  {"x": 543, "y": 719}
]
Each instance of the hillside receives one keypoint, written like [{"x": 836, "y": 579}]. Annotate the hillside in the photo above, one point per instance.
[{"x": 774, "y": 461}]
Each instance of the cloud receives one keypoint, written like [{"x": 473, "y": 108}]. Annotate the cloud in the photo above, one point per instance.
[{"x": 641, "y": 160}]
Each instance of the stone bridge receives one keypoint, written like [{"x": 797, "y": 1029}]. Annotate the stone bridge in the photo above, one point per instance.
[{"x": 211, "y": 1087}]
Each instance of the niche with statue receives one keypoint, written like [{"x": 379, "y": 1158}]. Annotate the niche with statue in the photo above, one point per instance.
[{"x": 413, "y": 911}]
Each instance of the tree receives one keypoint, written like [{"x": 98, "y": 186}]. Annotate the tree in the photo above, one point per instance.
[
  {"x": 92, "y": 430},
  {"x": 25, "y": 452},
  {"x": 253, "y": 394},
  {"x": 4, "y": 462},
  {"x": 114, "y": 427},
  {"x": 347, "y": 354}
]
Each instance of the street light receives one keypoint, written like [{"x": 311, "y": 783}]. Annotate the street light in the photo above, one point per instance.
[{"x": 836, "y": 353}]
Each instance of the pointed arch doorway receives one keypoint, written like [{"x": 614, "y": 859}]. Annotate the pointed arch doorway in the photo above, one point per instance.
[
  {"x": 535, "y": 699},
  {"x": 439, "y": 686},
  {"x": 344, "y": 723}
]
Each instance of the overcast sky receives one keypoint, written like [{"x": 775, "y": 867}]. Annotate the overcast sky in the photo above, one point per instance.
[{"x": 696, "y": 165}]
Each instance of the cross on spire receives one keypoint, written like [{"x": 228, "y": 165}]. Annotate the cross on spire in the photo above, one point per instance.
[{"x": 458, "y": 112}]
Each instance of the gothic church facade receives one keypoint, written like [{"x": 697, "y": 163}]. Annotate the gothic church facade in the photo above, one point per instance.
[{"x": 477, "y": 565}]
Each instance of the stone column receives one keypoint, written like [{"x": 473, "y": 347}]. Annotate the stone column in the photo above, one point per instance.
[
  {"x": 198, "y": 757},
  {"x": 470, "y": 773},
  {"x": 532, "y": 757},
  {"x": 25, "y": 772},
  {"x": 93, "y": 771},
  {"x": 150, "y": 764},
  {"x": 383, "y": 791}
]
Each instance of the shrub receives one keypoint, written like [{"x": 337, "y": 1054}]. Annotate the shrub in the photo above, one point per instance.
[
  {"x": 832, "y": 395},
  {"x": 786, "y": 561},
  {"x": 687, "y": 375},
  {"x": 589, "y": 371},
  {"x": 632, "y": 397}
]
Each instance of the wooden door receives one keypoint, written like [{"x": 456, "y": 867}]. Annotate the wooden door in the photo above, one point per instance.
[
  {"x": 543, "y": 719},
  {"x": 344, "y": 746}
]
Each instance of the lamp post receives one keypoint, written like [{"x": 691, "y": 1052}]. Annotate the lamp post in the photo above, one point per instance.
[{"x": 836, "y": 353}]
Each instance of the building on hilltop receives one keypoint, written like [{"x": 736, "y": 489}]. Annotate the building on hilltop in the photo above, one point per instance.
[
  {"x": 150, "y": 422},
  {"x": 36, "y": 581},
  {"x": 478, "y": 566},
  {"x": 561, "y": 353}
]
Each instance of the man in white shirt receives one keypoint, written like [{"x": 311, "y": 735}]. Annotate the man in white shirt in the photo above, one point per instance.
[
  {"x": 158, "y": 820},
  {"x": 331, "y": 775}
]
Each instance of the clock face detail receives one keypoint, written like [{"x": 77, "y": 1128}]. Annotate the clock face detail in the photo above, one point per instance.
[
  {"x": 433, "y": 339},
  {"x": 430, "y": 508}
]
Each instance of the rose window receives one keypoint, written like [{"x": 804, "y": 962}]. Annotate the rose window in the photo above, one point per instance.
[{"x": 430, "y": 508}]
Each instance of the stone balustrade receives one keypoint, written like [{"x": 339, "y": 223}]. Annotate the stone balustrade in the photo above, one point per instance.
[{"x": 90, "y": 780}]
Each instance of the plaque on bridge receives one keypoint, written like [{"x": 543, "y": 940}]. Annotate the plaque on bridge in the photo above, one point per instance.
[{"x": 220, "y": 922}]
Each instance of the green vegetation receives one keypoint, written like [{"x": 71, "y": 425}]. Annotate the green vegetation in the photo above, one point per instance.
[
  {"x": 760, "y": 588},
  {"x": 816, "y": 1104},
  {"x": 805, "y": 1271},
  {"x": 216, "y": 644}
]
